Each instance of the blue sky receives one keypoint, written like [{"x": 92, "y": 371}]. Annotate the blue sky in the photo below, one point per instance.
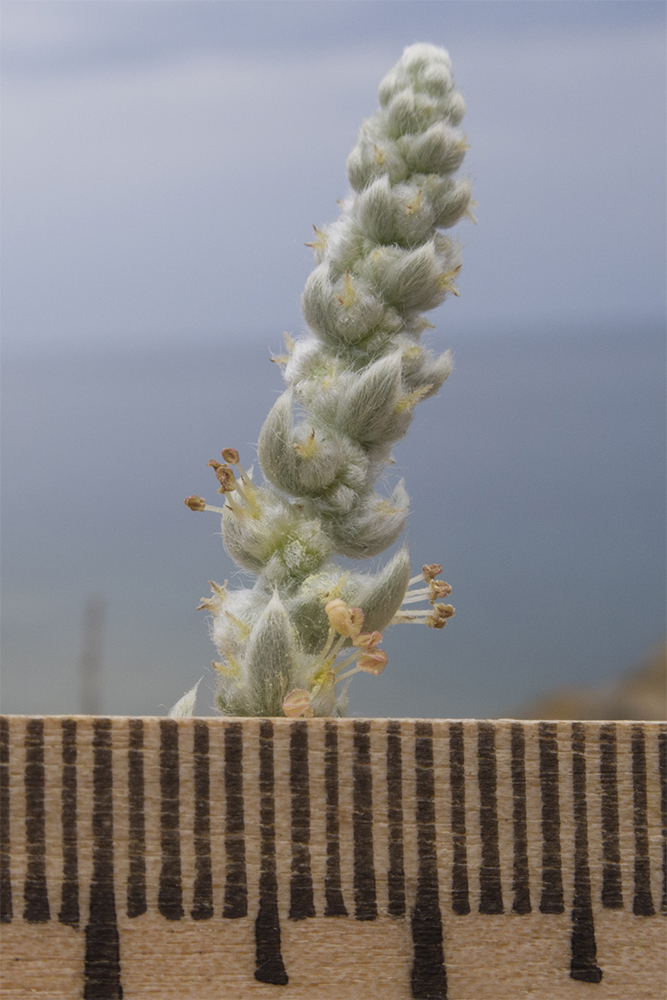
[{"x": 164, "y": 161}]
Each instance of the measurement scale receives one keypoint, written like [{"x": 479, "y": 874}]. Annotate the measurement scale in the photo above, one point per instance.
[{"x": 332, "y": 859}]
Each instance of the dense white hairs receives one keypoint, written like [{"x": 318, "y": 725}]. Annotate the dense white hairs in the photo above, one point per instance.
[{"x": 352, "y": 385}]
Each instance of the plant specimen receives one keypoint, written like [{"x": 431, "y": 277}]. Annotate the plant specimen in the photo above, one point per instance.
[{"x": 289, "y": 644}]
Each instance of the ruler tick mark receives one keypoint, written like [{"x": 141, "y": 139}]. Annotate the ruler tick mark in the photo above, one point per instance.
[
  {"x": 136, "y": 844},
  {"x": 333, "y": 893},
  {"x": 552, "y": 879},
  {"x": 429, "y": 978},
  {"x": 521, "y": 872},
  {"x": 202, "y": 908},
  {"x": 6, "y": 909},
  {"x": 642, "y": 904},
  {"x": 583, "y": 964},
  {"x": 662, "y": 765},
  {"x": 102, "y": 962},
  {"x": 170, "y": 893},
  {"x": 362, "y": 824},
  {"x": 301, "y": 882},
  {"x": 270, "y": 967},
  {"x": 236, "y": 890},
  {"x": 491, "y": 896},
  {"x": 612, "y": 886},
  {"x": 69, "y": 898},
  {"x": 35, "y": 892},
  {"x": 460, "y": 893},
  {"x": 396, "y": 873}
]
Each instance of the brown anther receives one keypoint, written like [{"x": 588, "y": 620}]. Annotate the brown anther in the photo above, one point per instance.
[
  {"x": 367, "y": 640},
  {"x": 297, "y": 703},
  {"x": 438, "y": 588},
  {"x": 346, "y": 621},
  {"x": 230, "y": 455},
  {"x": 431, "y": 570},
  {"x": 373, "y": 662},
  {"x": 195, "y": 503},
  {"x": 214, "y": 465},
  {"x": 226, "y": 478}
]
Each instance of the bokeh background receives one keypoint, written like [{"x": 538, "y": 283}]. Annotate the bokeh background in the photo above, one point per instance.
[{"x": 163, "y": 163}]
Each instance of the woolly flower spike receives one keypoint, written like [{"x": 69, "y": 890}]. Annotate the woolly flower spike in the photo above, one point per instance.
[{"x": 352, "y": 386}]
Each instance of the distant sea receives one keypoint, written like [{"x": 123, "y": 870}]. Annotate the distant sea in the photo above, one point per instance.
[{"x": 537, "y": 478}]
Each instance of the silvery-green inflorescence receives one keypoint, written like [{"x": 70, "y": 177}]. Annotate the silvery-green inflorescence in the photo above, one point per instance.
[{"x": 286, "y": 644}]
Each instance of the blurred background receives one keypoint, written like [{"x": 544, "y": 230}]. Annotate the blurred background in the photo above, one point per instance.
[{"x": 163, "y": 163}]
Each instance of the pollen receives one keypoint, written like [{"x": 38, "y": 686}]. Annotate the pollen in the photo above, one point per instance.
[
  {"x": 349, "y": 295},
  {"x": 320, "y": 243},
  {"x": 346, "y": 621},
  {"x": 308, "y": 448},
  {"x": 231, "y": 670},
  {"x": 415, "y": 205},
  {"x": 410, "y": 399},
  {"x": 446, "y": 281}
]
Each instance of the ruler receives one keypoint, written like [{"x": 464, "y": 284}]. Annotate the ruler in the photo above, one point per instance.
[{"x": 333, "y": 859}]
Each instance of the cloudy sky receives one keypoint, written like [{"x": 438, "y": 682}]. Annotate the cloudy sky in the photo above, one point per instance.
[{"x": 164, "y": 161}]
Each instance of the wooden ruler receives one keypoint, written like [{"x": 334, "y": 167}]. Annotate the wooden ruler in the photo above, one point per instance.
[{"x": 217, "y": 858}]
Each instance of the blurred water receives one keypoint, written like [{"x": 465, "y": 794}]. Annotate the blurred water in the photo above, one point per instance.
[{"x": 537, "y": 478}]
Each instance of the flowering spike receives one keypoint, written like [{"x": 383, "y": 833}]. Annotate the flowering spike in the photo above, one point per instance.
[{"x": 352, "y": 385}]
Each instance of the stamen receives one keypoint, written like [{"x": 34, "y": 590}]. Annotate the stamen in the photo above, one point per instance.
[
  {"x": 234, "y": 506},
  {"x": 435, "y": 589},
  {"x": 327, "y": 646},
  {"x": 244, "y": 486},
  {"x": 430, "y": 571},
  {"x": 372, "y": 662},
  {"x": 416, "y": 595},
  {"x": 337, "y": 648},
  {"x": 350, "y": 659},
  {"x": 416, "y": 617},
  {"x": 346, "y": 621},
  {"x": 350, "y": 673}
]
